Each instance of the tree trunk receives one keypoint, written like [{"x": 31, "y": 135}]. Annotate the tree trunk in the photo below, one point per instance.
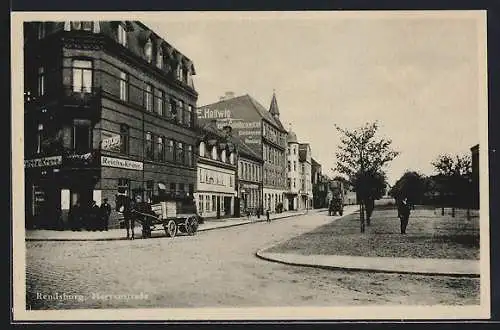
[{"x": 362, "y": 217}]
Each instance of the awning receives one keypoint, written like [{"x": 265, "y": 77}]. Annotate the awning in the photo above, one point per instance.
[{"x": 162, "y": 186}]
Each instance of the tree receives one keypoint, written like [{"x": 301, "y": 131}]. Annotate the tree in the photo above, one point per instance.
[
  {"x": 411, "y": 185},
  {"x": 361, "y": 157},
  {"x": 455, "y": 172}
]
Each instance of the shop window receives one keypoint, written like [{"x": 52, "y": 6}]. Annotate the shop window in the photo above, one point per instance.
[
  {"x": 148, "y": 99},
  {"x": 214, "y": 203},
  {"x": 82, "y": 76},
  {"x": 124, "y": 139},
  {"x": 149, "y": 190},
  {"x": 82, "y": 136},
  {"x": 123, "y": 86},
  {"x": 149, "y": 145},
  {"x": 41, "y": 81}
]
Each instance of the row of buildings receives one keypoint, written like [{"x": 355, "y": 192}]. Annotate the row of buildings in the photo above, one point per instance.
[{"x": 111, "y": 105}]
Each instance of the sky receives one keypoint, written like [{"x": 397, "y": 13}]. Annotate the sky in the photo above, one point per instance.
[{"x": 418, "y": 75}]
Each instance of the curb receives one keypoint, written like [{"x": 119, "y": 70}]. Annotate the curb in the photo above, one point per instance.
[
  {"x": 124, "y": 238},
  {"x": 262, "y": 255}
]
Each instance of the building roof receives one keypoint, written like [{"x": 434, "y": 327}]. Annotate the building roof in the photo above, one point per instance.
[
  {"x": 303, "y": 149},
  {"x": 273, "y": 108},
  {"x": 314, "y": 162},
  {"x": 245, "y": 102}
]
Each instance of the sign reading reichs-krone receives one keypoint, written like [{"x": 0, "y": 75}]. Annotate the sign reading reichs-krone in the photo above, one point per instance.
[
  {"x": 121, "y": 163},
  {"x": 43, "y": 162}
]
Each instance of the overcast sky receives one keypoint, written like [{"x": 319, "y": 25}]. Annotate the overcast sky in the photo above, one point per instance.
[{"x": 417, "y": 75}]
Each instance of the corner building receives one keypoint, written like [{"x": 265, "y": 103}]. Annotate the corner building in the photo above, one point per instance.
[
  {"x": 108, "y": 104},
  {"x": 262, "y": 131}
]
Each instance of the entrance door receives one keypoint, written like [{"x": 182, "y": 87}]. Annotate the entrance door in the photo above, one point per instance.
[
  {"x": 218, "y": 207},
  {"x": 290, "y": 203},
  {"x": 227, "y": 205}
]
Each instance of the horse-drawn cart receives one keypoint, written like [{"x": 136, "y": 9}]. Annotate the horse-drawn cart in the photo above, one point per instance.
[{"x": 170, "y": 216}]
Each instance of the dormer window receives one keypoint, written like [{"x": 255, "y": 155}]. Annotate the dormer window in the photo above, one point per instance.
[
  {"x": 148, "y": 51},
  {"x": 122, "y": 35},
  {"x": 159, "y": 58},
  {"x": 214, "y": 153}
]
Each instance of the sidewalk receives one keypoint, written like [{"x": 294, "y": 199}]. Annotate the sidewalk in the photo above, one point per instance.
[
  {"x": 120, "y": 234},
  {"x": 420, "y": 266}
]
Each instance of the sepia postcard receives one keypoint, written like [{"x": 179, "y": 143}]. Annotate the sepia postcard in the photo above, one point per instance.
[{"x": 199, "y": 166}]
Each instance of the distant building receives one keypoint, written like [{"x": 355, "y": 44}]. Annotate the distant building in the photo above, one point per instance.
[
  {"x": 216, "y": 187},
  {"x": 262, "y": 131},
  {"x": 293, "y": 176},
  {"x": 305, "y": 191}
]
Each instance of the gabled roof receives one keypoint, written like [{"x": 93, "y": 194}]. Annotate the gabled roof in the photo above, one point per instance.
[{"x": 246, "y": 102}]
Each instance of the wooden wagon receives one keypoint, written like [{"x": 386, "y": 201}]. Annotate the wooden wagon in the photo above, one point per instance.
[{"x": 171, "y": 217}]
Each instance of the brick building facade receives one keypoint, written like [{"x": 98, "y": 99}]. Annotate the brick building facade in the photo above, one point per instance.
[{"x": 107, "y": 104}]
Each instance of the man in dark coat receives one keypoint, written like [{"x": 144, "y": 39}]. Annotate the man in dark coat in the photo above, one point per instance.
[
  {"x": 94, "y": 216},
  {"x": 403, "y": 213},
  {"x": 105, "y": 213},
  {"x": 124, "y": 206},
  {"x": 74, "y": 216}
]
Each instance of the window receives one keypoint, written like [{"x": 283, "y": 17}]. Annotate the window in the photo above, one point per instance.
[
  {"x": 289, "y": 182},
  {"x": 123, "y": 86},
  {"x": 149, "y": 146},
  {"x": 82, "y": 76},
  {"x": 189, "y": 156},
  {"x": 149, "y": 190},
  {"x": 188, "y": 115},
  {"x": 294, "y": 150},
  {"x": 41, "y": 81},
  {"x": 173, "y": 108},
  {"x": 289, "y": 166},
  {"x": 214, "y": 153},
  {"x": 303, "y": 169},
  {"x": 181, "y": 187},
  {"x": 184, "y": 74},
  {"x": 202, "y": 149},
  {"x": 214, "y": 203},
  {"x": 230, "y": 180},
  {"x": 295, "y": 166},
  {"x": 76, "y": 25},
  {"x": 159, "y": 102},
  {"x": 180, "y": 111},
  {"x": 160, "y": 151},
  {"x": 39, "y": 138},
  {"x": 172, "y": 188},
  {"x": 149, "y": 98},
  {"x": 87, "y": 26},
  {"x": 201, "y": 176},
  {"x": 223, "y": 156},
  {"x": 191, "y": 189},
  {"x": 41, "y": 30},
  {"x": 82, "y": 136},
  {"x": 124, "y": 137},
  {"x": 124, "y": 184},
  {"x": 294, "y": 182},
  {"x": 148, "y": 51},
  {"x": 180, "y": 153},
  {"x": 231, "y": 158},
  {"x": 159, "y": 58},
  {"x": 178, "y": 71},
  {"x": 170, "y": 150},
  {"x": 122, "y": 35},
  {"x": 207, "y": 203}
]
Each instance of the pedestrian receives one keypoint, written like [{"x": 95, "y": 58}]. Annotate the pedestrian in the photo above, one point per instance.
[
  {"x": 74, "y": 216},
  {"x": 105, "y": 213},
  {"x": 403, "y": 214},
  {"x": 94, "y": 216},
  {"x": 267, "y": 215}
]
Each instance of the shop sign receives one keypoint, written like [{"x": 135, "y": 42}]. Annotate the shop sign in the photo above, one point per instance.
[
  {"x": 43, "y": 162},
  {"x": 249, "y": 186},
  {"x": 121, "y": 163},
  {"x": 111, "y": 143}
]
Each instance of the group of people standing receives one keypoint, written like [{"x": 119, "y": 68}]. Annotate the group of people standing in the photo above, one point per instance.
[{"x": 89, "y": 217}]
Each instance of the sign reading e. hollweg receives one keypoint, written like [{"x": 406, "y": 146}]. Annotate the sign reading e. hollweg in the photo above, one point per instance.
[
  {"x": 43, "y": 162},
  {"x": 121, "y": 163}
]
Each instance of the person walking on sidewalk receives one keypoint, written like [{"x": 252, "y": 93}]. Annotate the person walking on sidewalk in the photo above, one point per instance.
[
  {"x": 267, "y": 215},
  {"x": 403, "y": 214},
  {"x": 105, "y": 213}
]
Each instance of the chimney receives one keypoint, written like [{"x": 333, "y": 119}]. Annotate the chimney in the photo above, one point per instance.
[{"x": 227, "y": 96}]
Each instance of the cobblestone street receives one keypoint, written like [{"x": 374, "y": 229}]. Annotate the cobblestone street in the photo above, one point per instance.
[{"x": 216, "y": 269}]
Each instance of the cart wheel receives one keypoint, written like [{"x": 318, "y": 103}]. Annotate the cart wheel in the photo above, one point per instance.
[
  {"x": 170, "y": 228},
  {"x": 191, "y": 225}
]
